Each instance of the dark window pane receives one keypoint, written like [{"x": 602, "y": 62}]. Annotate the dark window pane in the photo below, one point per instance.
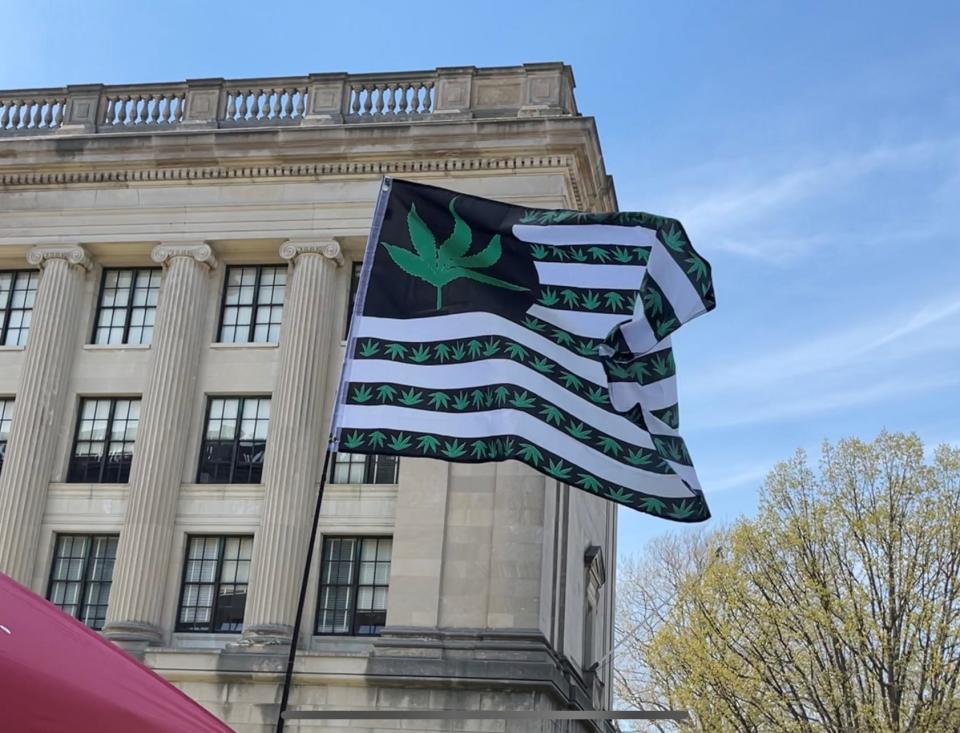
[
  {"x": 127, "y": 307},
  {"x": 356, "y": 468},
  {"x": 235, "y": 440},
  {"x": 354, "y": 581},
  {"x": 214, "y": 590},
  {"x": 81, "y": 574},
  {"x": 18, "y": 290},
  {"x": 252, "y": 308},
  {"x": 355, "y": 268},
  {"x": 104, "y": 441}
]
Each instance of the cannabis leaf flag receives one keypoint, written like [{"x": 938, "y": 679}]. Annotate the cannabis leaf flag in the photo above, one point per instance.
[{"x": 488, "y": 332}]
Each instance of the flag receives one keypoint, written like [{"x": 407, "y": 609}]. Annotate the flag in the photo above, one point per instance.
[{"x": 484, "y": 331}]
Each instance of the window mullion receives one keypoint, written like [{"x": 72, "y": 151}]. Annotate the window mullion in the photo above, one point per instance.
[
  {"x": 104, "y": 459},
  {"x": 236, "y": 440},
  {"x": 254, "y": 306},
  {"x": 8, "y": 309},
  {"x": 128, "y": 310},
  {"x": 355, "y": 581},
  {"x": 81, "y": 607},
  {"x": 221, "y": 548}
]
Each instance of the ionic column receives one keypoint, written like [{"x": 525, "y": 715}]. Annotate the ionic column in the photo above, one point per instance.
[
  {"x": 295, "y": 442},
  {"x": 139, "y": 577},
  {"x": 38, "y": 412}
]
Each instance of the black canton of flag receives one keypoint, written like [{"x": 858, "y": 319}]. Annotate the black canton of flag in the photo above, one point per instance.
[{"x": 489, "y": 332}]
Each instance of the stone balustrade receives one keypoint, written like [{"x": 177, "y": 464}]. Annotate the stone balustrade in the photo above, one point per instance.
[{"x": 531, "y": 90}]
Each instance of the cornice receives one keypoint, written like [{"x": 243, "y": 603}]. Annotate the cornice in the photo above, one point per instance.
[{"x": 289, "y": 170}]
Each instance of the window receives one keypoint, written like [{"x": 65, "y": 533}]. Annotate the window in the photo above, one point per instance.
[
  {"x": 356, "y": 468},
  {"x": 355, "y": 575},
  {"x": 214, "y": 590},
  {"x": 236, "y": 438},
  {"x": 6, "y": 417},
  {"x": 103, "y": 447},
  {"x": 128, "y": 306},
  {"x": 80, "y": 575},
  {"x": 354, "y": 286},
  {"x": 253, "y": 304},
  {"x": 18, "y": 289}
]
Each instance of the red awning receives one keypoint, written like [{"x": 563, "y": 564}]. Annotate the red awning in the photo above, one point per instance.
[{"x": 56, "y": 674}]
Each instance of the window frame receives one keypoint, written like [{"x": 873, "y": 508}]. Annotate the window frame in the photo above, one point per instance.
[
  {"x": 354, "y": 583},
  {"x": 6, "y": 404},
  {"x": 369, "y": 469},
  {"x": 236, "y": 438},
  {"x": 254, "y": 306},
  {"x": 106, "y": 437},
  {"x": 128, "y": 308},
  {"x": 7, "y": 310},
  {"x": 353, "y": 287},
  {"x": 93, "y": 537},
  {"x": 222, "y": 540}
]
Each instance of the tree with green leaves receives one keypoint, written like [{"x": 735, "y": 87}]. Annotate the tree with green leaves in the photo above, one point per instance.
[{"x": 835, "y": 609}]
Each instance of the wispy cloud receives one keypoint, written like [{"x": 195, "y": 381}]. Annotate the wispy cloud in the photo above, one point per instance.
[
  {"x": 902, "y": 332},
  {"x": 809, "y": 399},
  {"x": 744, "y": 218}
]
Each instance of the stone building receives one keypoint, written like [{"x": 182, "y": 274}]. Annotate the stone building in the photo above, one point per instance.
[{"x": 176, "y": 269}]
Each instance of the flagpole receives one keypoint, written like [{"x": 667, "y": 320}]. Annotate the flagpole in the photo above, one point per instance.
[{"x": 294, "y": 639}]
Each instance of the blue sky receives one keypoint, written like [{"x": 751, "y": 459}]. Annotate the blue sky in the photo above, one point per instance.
[{"x": 811, "y": 149}]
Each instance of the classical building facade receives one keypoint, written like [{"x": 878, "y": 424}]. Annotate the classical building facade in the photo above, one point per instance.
[{"x": 176, "y": 271}]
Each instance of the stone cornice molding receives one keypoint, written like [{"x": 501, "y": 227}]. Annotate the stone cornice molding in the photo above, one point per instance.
[
  {"x": 199, "y": 251},
  {"x": 328, "y": 248},
  {"x": 443, "y": 165},
  {"x": 74, "y": 254}
]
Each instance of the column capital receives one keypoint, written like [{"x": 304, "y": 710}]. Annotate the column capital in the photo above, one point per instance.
[
  {"x": 329, "y": 248},
  {"x": 199, "y": 251},
  {"x": 74, "y": 254}
]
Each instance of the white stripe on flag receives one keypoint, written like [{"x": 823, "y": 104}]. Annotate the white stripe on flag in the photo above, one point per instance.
[
  {"x": 607, "y": 277},
  {"x": 478, "y": 325},
  {"x": 676, "y": 286},
  {"x": 493, "y": 371},
  {"x": 582, "y": 234},
  {"x": 656, "y": 396},
  {"x": 497, "y": 422},
  {"x": 581, "y": 323}
]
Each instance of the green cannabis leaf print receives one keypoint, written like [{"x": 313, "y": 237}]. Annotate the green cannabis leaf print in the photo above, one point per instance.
[{"x": 439, "y": 266}]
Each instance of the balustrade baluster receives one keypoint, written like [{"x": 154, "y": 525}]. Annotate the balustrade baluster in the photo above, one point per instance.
[
  {"x": 381, "y": 88},
  {"x": 58, "y": 114},
  {"x": 390, "y": 92},
  {"x": 354, "y": 99},
  {"x": 47, "y": 118},
  {"x": 242, "y": 108},
  {"x": 368, "y": 101},
  {"x": 288, "y": 103},
  {"x": 275, "y": 102},
  {"x": 4, "y": 115},
  {"x": 428, "y": 98},
  {"x": 301, "y": 102}
]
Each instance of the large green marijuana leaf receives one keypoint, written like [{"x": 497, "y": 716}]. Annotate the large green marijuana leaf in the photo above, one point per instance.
[{"x": 441, "y": 265}]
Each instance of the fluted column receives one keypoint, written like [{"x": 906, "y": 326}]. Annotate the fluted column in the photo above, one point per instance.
[
  {"x": 295, "y": 442},
  {"x": 139, "y": 577},
  {"x": 38, "y": 414}
]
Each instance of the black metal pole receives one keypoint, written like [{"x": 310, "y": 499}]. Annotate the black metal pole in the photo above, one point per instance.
[{"x": 292, "y": 656}]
